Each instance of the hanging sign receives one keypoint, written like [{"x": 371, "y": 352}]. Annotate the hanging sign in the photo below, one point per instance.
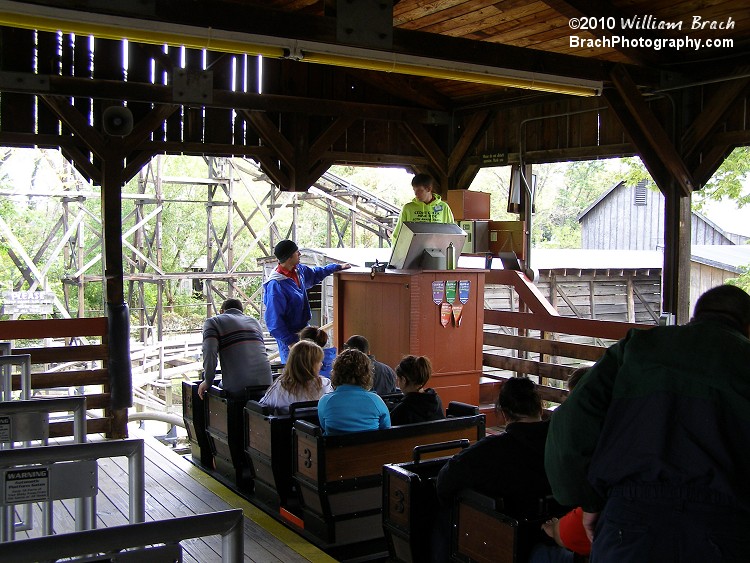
[
  {"x": 28, "y": 302},
  {"x": 438, "y": 291},
  {"x": 457, "y": 310},
  {"x": 446, "y": 311},
  {"x": 450, "y": 291},
  {"x": 463, "y": 291},
  {"x": 499, "y": 158}
]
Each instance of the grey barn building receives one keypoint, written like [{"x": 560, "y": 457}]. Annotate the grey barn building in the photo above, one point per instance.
[{"x": 632, "y": 218}]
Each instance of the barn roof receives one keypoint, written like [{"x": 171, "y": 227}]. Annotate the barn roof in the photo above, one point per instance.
[{"x": 731, "y": 257}]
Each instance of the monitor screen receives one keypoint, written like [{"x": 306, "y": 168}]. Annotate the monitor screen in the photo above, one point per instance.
[{"x": 414, "y": 238}]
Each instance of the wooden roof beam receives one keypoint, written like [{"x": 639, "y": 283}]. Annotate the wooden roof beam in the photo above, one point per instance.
[
  {"x": 427, "y": 146},
  {"x": 251, "y": 20},
  {"x": 697, "y": 135},
  {"x": 475, "y": 124},
  {"x": 639, "y": 121},
  {"x": 328, "y": 137},
  {"x": 460, "y": 171},
  {"x": 75, "y": 87},
  {"x": 269, "y": 132}
]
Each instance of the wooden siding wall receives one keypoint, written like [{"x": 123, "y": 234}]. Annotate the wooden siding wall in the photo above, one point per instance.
[
  {"x": 703, "y": 277},
  {"x": 317, "y": 81},
  {"x": 630, "y": 296},
  {"x": 616, "y": 223},
  {"x": 573, "y": 124},
  {"x": 703, "y": 233},
  {"x": 65, "y": 55}
]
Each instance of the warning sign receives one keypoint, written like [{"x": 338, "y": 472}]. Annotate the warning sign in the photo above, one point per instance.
[
  {"x": 4, "y": 429},
  {"x": 26, "y": 485}
]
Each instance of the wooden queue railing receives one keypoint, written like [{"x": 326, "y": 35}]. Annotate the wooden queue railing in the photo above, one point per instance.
[
  {"x": 78, "y": 359},
  {"x": 535, "y": 340}
]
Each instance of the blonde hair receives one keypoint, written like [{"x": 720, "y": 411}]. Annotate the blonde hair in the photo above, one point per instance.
[
  {"x": 415, "y": 370},
  {"x": 352, "y": 367},
  {"x": 299, "y": 376}
]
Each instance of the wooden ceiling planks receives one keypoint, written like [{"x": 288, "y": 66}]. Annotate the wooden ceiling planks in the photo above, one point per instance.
[{"x": 406, "y": 14}]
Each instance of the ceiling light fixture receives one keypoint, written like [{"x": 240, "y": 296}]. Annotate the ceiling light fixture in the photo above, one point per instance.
[{"x": 464, "y": 72}]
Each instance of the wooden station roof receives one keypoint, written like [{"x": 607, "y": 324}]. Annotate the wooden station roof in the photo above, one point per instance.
[
  {"x": 440, "y": 86},
  {"x": 431, "y": 85},
  {"x": 576, "y": 38}
]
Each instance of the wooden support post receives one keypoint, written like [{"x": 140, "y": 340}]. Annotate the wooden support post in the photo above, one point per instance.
[
  {"x": 112, "y": 181},
  {"x": 676, "y": 277},
  {"x": 120, "y": 378},
  {"x": 629, "y": 298}
]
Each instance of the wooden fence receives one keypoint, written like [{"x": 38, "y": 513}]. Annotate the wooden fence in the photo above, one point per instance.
[
  {"x": 78, "y": 361},
  {"x": 534, "y": 340}
]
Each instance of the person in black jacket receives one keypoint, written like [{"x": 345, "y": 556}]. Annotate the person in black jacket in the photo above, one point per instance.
[
  {"x": 419, "y": 404},
  {"x": 384, "y": 378},
  {"x": 508, "y": 465}
]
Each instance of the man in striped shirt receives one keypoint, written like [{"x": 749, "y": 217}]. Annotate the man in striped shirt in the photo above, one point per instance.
[{"x": 237, "y": 340}]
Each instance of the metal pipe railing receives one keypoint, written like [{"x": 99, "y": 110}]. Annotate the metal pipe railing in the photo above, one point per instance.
[
  {"x": 16, "y": 409},
  {"x": 132, "y": 449},
  {"x": 23, "y": 361},
  {"x": 228, "y": 523}
]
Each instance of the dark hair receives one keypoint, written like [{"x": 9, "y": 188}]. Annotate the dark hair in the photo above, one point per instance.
[
  {"x": 519, "y": 397},
  {"x": 415, "y": 370},
  {"x": 424, "y": 180},
  {"x": 358, "y": 342},
  {"x": 575, "y": 376},
  {"x": 314, "y": 334},
  {"x": 232, "y": 304},
  {"x": 299, "y": 377},
  {"x": 727, "y": 304},
  {"x": 352, "y": 367}
]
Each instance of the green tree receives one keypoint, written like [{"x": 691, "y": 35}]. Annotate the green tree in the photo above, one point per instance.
[
  {"x": 557, "y": 226},
  {"x": 727, "y": 181}
]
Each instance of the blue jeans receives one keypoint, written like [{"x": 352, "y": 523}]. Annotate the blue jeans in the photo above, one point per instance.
[{"x": 673, "y": 529}]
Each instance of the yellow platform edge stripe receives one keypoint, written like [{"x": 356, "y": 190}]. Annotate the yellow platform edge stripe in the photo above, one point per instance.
[{"x": 268, "y": 523}]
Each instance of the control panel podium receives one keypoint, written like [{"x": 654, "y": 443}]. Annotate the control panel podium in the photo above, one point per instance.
[{"x": 397, "y": 312}]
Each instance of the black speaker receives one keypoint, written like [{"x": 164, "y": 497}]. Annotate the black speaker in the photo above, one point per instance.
[{"x": 117, "y": 121}]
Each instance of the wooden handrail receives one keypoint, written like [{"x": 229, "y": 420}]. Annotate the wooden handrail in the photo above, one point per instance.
[
  {"x": 543, "y": 318},
  {"x": 74, "y": 366},
  {"x": 53, "y": 328}
]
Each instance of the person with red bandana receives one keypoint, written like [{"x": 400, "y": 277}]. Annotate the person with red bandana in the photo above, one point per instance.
[{"x": 287, "y": 309}]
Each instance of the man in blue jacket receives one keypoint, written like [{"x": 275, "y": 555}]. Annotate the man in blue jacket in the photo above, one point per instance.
[{"x": 287, "y": 310}]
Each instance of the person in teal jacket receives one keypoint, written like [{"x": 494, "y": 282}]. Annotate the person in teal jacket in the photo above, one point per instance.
[
  {"x": 352, "y": 407},
  {"x": 426, "y": 207},
  {"x": 287, "y": 310},
  {"x": 654, "y": 442}
]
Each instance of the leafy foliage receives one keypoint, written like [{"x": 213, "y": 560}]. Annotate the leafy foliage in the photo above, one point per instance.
[{"x": 726, "y": 183}]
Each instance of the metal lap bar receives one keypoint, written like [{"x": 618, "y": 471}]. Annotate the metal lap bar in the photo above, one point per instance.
[
  {"x": 39, "y": 483},
  {"x": 228, "y": 523},
  {"x": 29, "y": 420},
  {"x": 23, "y": 361}
]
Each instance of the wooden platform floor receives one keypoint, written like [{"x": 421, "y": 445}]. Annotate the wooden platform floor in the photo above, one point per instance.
[{"x": 174, "y": 488}]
